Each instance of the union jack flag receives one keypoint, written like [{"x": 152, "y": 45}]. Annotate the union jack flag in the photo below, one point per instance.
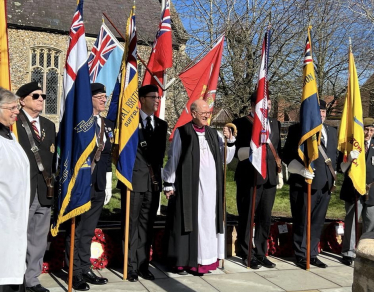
[
  {"x": 101, "y": 51},
  {"x": 308, "y": 55},
  {"x": 165, "y": 24}
]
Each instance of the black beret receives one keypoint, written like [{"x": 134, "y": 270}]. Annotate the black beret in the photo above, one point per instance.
[
  {"x": 322, "y": 104},
  {"x": 368, "y": 122},
  {"x": 144, "y": 90},
  {"x": 97, "y": 88},
  {"x": 253, "y": 96},
  {"x": 27, "y": 88}
]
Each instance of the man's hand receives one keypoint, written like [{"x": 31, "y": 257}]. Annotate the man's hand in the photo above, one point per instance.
[
  {"x": 353, "y": 155},
  {"x": 168, "y": 194},
  {"x": 227, "y": 133},
  {"x": 297, "y": 168},
  {"x": 280, "y": 182}
]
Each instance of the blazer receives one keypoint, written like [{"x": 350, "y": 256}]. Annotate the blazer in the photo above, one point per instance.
[
  {"x": 348, "y": 193},
  {"x": 104, "y": 165},
  {"x": 322, "y": 172},
  {"x": 245, "y": 170},
  {"x": 141, "y": 179},
  {"x": 47, "y": 149}
]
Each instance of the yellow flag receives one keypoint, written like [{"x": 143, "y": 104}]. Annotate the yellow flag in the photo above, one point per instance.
[
  {"x": 4, "y": 54},
  {"x": 351, "y": 131}
]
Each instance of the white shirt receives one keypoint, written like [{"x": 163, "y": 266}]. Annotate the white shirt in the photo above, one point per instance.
[
  {"x": 31, "y": 119},
  {"x": 324, "y": 134},
  {"x": 99, "y": 124},
  {"x": 144, "y": 116}
]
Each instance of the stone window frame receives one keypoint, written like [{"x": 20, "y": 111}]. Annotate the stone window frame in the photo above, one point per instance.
[{"x": 47, "y": 66}]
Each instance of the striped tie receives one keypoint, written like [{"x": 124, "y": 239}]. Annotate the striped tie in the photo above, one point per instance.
[{"x": 35, "y": 130}]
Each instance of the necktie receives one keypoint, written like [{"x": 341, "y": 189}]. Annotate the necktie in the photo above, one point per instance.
[
  {"x": 35, "y": 130},
  {"x": 366, "y": 146},
  {"x": 323, "y": 139},
  {"x": 97, "y": 127},
  {"x": 148, "y": 127}
]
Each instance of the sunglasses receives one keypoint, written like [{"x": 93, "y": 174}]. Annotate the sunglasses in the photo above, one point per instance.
[{"x": 36, "y": 95}]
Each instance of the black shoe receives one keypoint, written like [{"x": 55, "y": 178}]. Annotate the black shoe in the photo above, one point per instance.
[
  {"x": 264, "y": 261},
  {"x": 132, "y": 276},
  {"x": 91, "y": 278},
  {"x": 253, "y": 264},
  {"x": 316, "y": 262},
  {"x": 37, "y": 288},
  {"x": 80, "y": 284},
  {"x": 147, "y": 275},
  {"x": 347, "y": 260},
  {"x": 301, "y": 263}
]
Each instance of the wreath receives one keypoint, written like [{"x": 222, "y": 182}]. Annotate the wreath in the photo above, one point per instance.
[
  {"x": 280, "y": 245},
  {"x": 53, "y": 259},
  {"x": 333, "y": 241},
  {"x": 101, "y": 247}
]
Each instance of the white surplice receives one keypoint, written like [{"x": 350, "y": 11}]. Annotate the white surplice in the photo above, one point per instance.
[
  {"x": 210, "y": 244},
  {"x": 14, "y": 210}
]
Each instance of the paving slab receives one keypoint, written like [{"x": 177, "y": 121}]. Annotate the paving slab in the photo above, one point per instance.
[
  {"x": 294, "y": 280},
  {"x": 342, "y": 276},
  {"x": 235, "y": 265},
  {"x": 119, "y": 286},
  {"x": 342, "y": 289},
  {"x": 241, "y": 282},
  {"x": 180, "y": 284}
]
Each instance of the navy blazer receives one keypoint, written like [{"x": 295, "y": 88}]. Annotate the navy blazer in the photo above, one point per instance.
[{"x": 322, "y": 172}]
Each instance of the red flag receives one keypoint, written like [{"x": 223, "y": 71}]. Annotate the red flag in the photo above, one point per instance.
[
  {"x": 162, "y": 53},
  {"x": 200, "y": 82},
  {"x": 260, "y": 132}
]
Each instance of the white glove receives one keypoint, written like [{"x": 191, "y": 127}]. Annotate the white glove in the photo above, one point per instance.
[
  {"x": 243, "y": 153},
  {"x": 297, "y": 168},
  {"x": 352, "y": 156},
  {"x": 108, "y": 188},
  {"x": 280, "y": 181}
]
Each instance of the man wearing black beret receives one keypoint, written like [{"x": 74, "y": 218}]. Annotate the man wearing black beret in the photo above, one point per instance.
[
  {"x": 146, "y": 183},
  {"x": 37, "y": 133},
  {"x": 266, "y": 187},
  {"x": 101, "y": 192},
  {"x": 365, "y": 204},
  {"x": 322, "y": 186}
]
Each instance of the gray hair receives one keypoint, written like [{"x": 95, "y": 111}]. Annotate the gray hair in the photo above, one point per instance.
[
  {"x": 7, "y": 96},
  {"x": 193, "y": 106}
]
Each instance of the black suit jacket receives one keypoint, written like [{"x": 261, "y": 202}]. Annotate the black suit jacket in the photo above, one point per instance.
[
  {"x": 47, "y": 146},
  {"x": 141, "y": 179},
  {"x": 245, "y": 170},
  {"x": 104, "y": 165},
  {"x": 348, "y": 193},
  {"x": 322, "y": 173}
]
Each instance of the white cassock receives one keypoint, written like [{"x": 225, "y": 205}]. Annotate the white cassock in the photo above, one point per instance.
[
  {"x": 210, "y": 244},
  {"x": 14, "y": 210}
]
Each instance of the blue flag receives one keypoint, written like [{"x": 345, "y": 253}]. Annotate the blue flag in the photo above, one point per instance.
[{"x": 76, "y": 137}]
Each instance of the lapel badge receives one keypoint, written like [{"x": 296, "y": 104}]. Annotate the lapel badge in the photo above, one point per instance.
[
  {"x": 52, "y": 148},
  {"x": 43, "y": 135},
  {"x": 110, "y": 135}
]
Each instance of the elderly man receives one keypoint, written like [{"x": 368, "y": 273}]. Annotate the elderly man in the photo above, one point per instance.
[
  {"x": 322, "y": 185},
  {"x": 14, "y": 198},
  {"x": 146, "y": 180},
  {"x": 266, "y": 187},
  {"x": 37, "y": 133},
  {"x": 193, "y": 179},
  {"x": 365, "y": 204},
  {"x": 101, "y": 192}
]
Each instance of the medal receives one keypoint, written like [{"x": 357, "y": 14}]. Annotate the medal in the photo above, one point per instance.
[{"x": 52, "y": 148}]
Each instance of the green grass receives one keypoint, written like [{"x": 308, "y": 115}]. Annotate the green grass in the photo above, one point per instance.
[{"x": 281, "y": 205}]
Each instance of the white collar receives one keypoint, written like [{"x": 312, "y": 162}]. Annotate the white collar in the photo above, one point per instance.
[
  {"x": 31, "y": 118},
  {"x": 143, "y": 115}
]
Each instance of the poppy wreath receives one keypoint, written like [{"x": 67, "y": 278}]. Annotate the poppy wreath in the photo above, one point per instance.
[
  {"x": 101, "y": 250},
  {"x": 53, "y": 259},
  {"x": 157, "y": 247},
  {"x": 280, "y": 245},
  {"x": 333, "y": 241}
]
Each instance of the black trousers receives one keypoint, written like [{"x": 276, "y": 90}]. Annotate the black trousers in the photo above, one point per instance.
[
  {"x": 265, "y": 196},
  {"x": 12, "y": 288},
  {"x": 143, "y": 210},
  {"x": 85, "y": 225},
  {"x": 319, "y": 203}
]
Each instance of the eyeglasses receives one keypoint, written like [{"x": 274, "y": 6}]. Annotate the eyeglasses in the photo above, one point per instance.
[
  {"x": 153, "y": 97},
  {"x": 100, "y": 97},
  {"x": 36, "y": 95},
  {"x": 13, "y": 108},
  {"x": 206, "y": 114}
]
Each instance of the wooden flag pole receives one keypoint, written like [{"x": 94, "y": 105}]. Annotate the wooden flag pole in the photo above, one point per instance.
[
  {"x": 308, "y": 214},
  {"x": 71, "y": 256},
  {"x": 250, "y": 245},
  {"x": 126, "y": 235},
  {"x": 356, "y": 221}
]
